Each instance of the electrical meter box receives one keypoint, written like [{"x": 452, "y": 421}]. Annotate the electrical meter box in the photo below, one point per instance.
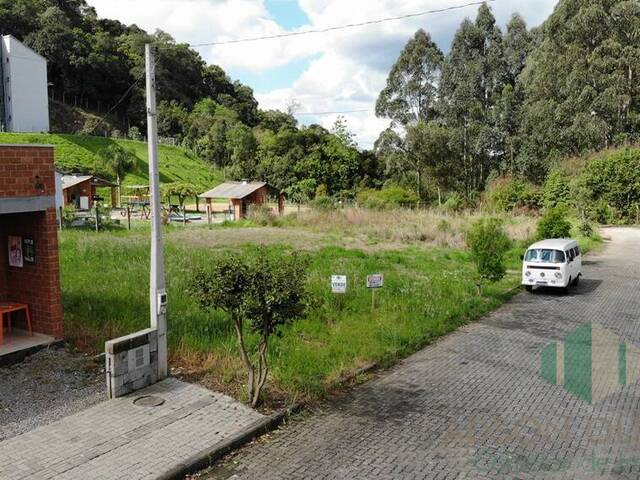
[{"x": 131, "y": 362}]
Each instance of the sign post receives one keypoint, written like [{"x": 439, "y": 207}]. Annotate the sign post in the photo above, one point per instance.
[
  {"x": 338, "y": 283},
  {"x": 374, "y": 282},
  {"x": 339, "y": 287}
]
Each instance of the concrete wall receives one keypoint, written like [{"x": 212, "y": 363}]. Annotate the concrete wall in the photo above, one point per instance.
[
  {"x": 131, "y": 362},
  {"x": 25, "y": 87}
]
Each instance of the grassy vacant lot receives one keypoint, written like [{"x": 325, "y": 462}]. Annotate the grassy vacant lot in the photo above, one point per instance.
[
  {"x": 429, "y": 291},
  {"x": 77, "y": 153}
]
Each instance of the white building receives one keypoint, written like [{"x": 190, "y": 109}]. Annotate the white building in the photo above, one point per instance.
[{"x": 24, "y": 100}]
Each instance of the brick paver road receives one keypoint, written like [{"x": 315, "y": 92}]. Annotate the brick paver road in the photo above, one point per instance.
[{"x": 475, "y": 406}]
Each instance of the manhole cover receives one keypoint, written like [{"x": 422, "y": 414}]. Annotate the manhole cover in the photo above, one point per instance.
[{"x": 148, "y": 401}]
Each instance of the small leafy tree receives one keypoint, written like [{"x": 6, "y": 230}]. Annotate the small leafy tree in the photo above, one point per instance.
[
  {"x": 118, "y": 159},
  {"x": 261, "y": 293},
  {"x": 180, "y": 190},
  {"x": 489, "y": 243},
  {"x": 301, "y": 192},
  {"x": 553, "y": 224}
]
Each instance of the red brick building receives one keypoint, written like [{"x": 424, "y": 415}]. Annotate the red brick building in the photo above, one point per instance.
[{"x": 28, "y": 218}]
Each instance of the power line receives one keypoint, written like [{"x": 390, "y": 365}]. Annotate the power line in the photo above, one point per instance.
[
  {"x": 334, "y": 113},
  {"x": 122, "y": 98},
  {"x": 339, "y": 27}
]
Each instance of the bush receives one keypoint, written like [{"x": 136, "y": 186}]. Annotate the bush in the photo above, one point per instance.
[
  {"x": 507, "y": 194},
  {"x": 68, "y": 215},
  {"x": 323, "y": 203},
  {"x": 134, "y": 133},
  {"x": 390, "y": 197},
  {"x": 600, "y": 211},
  {"x": 262, "y": 215},
  {"x": 454, "y": 203},
  {"x": 612, "y": 186},
  {"x": 489, "y": 244},
  {"x": 586, "y": 229},
  {"x": 553, "y": 224},
  {"x": 261, "y": 293},
  {"x": 556, "y": 191}
]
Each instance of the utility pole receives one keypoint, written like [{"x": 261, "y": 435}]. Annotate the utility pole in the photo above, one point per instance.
[{"x": 157, "y": 294}]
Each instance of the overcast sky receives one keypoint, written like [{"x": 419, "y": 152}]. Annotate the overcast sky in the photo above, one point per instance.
[{"x": 328, "y": 72}]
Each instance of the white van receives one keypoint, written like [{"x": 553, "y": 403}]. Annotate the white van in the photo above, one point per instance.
[{"x": 552, "y": 263}]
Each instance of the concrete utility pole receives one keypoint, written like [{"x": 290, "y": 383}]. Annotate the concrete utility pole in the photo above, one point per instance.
[{"x": 157, "y": 294}]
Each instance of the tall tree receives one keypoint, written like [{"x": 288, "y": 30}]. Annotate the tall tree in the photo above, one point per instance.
[
  {"x": 472, "y": 82},
  {"x": 582, "y": 89},
  {"x": 518, "y": 43},
  {"x": 423, "y": 149},
  {"x": 411, "y": 91}
]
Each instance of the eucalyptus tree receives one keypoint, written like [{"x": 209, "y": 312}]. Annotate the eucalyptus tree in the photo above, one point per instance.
[
  {"x": 582, "y": 89},
  {"x": 473, "y": 77},
  {"x": 410, "y": 94},
  {"x": 410, "y": 99}
]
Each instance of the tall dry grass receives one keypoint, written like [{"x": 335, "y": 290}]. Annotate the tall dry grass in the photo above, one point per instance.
[{"x": 404, "y": 226}]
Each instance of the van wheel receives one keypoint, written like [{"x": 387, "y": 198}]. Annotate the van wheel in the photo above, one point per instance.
[
  {"x": 528, "y": 288},
  {"x": 569, "y": 283},
  {"x": 576, "y": 281}
]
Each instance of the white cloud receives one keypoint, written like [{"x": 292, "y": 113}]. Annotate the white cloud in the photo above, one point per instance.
[{"x": 349, "y": 67}]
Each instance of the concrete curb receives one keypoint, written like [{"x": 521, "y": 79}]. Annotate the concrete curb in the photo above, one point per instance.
[
  {"x": 14, "y": 358},
  {"x": 207, "y": 457}
]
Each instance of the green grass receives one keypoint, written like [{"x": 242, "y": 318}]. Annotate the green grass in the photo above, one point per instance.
[
  {"x": 427, "y": 293},
  {"x": 77, "y": 153}
]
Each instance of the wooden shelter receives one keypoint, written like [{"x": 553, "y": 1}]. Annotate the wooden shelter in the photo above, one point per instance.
[
  {"x": 80, "y": 190},
  {"x": 242, "y": 196}
]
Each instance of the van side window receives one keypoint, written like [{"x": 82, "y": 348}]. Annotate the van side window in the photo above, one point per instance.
[{"x": 577, "y": 251}]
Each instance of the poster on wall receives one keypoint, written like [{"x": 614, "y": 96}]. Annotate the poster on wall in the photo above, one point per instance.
[
  {"x": 15, "y": 251},
  {"x": 28, "y": 250}
]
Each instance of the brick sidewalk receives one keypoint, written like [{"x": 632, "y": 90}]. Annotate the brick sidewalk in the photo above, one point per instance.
[{"x": 117, "y": 439}]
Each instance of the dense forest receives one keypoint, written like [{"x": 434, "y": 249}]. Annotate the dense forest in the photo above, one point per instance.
[
  {"x": 498, "y": 103},
  {"x": 513, "y": 102}
]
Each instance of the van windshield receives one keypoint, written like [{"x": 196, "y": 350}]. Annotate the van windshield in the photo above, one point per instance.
[{"x": 544, "y": 255}]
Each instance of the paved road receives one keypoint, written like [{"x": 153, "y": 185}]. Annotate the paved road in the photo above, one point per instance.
[{"x": 474, "y": 405}]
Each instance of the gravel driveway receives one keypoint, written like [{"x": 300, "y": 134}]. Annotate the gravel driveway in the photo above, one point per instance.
[
  {"x": 475, "y": 404},
  {"x": 45, "y": 387}
]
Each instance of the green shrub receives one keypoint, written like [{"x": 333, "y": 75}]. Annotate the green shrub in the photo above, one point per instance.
[
  {"x": 260, "y": 293},
  {"x": 556, "y": 191},
  {"x": 612, "y": 186},
  {"x": 389, "y": 197},
  {"x": 68, "y": 215},
  {"x": 489, "y": 244},
  {"x": 323, "y": 203},
  {"x": 600, "y": 211},
  {"x": 506, "y": 194},
  {"x": 586, "y": 229},
  {"x": 263, "y": 215},
  {"x": 454, "y": 203},
  {"x": 134, "y": 133},
  {"x": 553, "y": 224}
]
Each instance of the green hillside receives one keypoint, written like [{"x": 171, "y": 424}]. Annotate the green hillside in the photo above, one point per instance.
[{"x": 81, "y": 154}]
